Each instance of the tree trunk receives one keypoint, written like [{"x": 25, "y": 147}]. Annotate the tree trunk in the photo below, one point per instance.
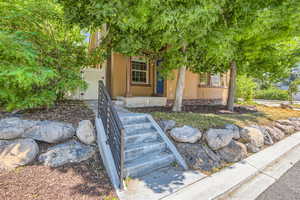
[
  {"x": 232, "y": 85},
  {"x": 179, "y": 89}
]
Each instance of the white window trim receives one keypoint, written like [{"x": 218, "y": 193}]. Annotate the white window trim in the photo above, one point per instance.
[{"x": 141, "y": 60}]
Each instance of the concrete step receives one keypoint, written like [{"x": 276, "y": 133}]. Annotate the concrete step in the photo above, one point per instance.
[
  {"x": 147, "y": 164},
  {"x": 140, "y": 150},
  {"x": 147, "y": 135},
  {"x": 129, "y": 128},
  {"x": 133, "y": 119}
]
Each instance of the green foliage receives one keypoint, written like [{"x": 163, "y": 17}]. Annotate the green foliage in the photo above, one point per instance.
[
  {"x": 293, "y": 89},
  {"x": 272, "y": 93},
  {"x": 245, "y": 88},
  {"x": 40, "y": 54},
  {"x": 258, "y": 35}
]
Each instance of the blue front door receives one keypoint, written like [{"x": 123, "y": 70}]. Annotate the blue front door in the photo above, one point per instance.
[
  {"x": 159, "y": 85},
  {"x": 159, "y": 80}
]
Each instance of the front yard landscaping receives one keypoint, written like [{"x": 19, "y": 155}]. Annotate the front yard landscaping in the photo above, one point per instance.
[
  {"x": 210, "y": 138},
  {"x": 84, "y": 180},
  {"x": 212, "y": 118}
]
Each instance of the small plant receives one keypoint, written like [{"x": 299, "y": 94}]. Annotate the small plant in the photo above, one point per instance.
[
  {"x": 272, "y": 93},
  {"x": 245, "y": 88},
  {"x": 293, "y": 89}
]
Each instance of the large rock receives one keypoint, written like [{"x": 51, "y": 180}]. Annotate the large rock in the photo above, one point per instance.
[
  {"x": 50, "y": 131},
  {"x": 218, "y": 138},
  {"x": 252, "y": 148},
  {"x": 267, "y": 137},
  {"x": 295, "y": 124},
  {"x": 235, "y": 130},
  {"x": 233, "y": 152},
  {"x": 186, "y": 134},
  {"x": 199, "y": 156},
  {"x": 253, "y": 136},
  {"x": 86, "y": 132},
  {"x": 12, "y": 128},
  {"x": 275, "y": 133},
  {"x": 287, "y": 129},
  {"x": 69, "y": 152},
  {"x": 14, "y": 153},
  {"x": 167, "y": 124}
]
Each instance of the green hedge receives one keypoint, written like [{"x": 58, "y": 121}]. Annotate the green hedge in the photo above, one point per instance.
[{"x": 272, "y": 94}]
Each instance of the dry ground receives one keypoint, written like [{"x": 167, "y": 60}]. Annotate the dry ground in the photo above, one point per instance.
[
  {"x": 83, "y": 181},
  {"x": 214, "y": 118}
]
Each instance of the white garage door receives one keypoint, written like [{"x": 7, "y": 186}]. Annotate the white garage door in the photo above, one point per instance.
[{"x": 91, "y": 76}]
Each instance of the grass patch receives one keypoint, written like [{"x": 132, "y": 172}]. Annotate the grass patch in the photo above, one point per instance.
[{"x": 264, "y": 116}]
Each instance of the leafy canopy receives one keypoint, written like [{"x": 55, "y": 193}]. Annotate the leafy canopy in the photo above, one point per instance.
[
  {"x": 40, "y": 54},
  {"x": 257, "y": 34}
]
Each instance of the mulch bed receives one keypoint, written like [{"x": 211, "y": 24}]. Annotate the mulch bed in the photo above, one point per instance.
[
  {"x": 70, "y": 111},
  {"x": 215, "y": 109},
  {"x": 82, "y": 181}
]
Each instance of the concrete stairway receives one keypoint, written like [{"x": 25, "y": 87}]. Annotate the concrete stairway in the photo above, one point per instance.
[{"x": 146, "y": 146}]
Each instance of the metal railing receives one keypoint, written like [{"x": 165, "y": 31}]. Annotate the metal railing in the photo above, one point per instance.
[{"x": 113, "y": 128}]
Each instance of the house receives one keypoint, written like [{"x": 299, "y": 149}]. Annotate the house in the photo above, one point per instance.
[{"x": 136, "y": 82}]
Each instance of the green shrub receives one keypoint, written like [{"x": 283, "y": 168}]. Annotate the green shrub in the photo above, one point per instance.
[
  {"x": 272, "y": 93},
  {"x": 41, "y": 56},
  {"x": 245, "y": 88}
]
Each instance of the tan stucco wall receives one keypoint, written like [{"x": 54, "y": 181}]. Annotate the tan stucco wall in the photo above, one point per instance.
[
  {"x": 120, "y": 63},
  {"x": 192, "y": 89}
]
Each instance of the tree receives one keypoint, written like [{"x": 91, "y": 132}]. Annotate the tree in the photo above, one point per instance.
[
  {"x": 40, "y": 54},
  {"x": 201, "y": 36},
  {"x": 156, "y": 28},
  {"x": 253, "y": 37}
]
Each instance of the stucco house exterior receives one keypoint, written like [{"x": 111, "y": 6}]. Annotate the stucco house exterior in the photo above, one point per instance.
[{"x": 136, "y": 82}]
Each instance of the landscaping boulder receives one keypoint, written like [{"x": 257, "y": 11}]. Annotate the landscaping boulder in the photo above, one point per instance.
[
  {"x": 50, "y": 131},
  {"x": 199, "y": 156},
  {"x": 13, "y": 127},
  {"x": 287, "y": 129},
  {"x": 267, "y": 137},
  {"x": 235, "y": 130},
  {"x": 295, "y": 124},
  {"x": 14, "y": 153},
  {"x": 253, "y": 136},
  {"x": 69, "y": 152},
  {"x": 218, "y": 138},
  {"x": 285, "y": 122},
  {"x": 167, "y": 124},
  {"x": 275, "y": 133},
  {"x": 233, "y": 152},
  {"x": 252, "y": 148},
  {"x": 86, "y": 132},
  {"x": 186, "y": 134},
  {"x": 294, "y": 119}
]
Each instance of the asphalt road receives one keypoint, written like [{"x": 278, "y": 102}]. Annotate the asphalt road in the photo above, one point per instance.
[{"x": 286, "y": 188}]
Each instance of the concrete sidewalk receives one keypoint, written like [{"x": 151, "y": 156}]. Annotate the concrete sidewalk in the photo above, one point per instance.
[{"x": 220, "y": 184}]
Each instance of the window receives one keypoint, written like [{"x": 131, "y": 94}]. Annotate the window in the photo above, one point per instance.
[
  {"x": 139, "y": 71},
  {"x": 215, "y": 80},
  {"x": 203, "y": 79}
]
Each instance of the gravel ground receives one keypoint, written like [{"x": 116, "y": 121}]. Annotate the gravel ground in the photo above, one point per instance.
[
  {"x": 82, "y": 181},
  {"x": 286, "y": 188}
]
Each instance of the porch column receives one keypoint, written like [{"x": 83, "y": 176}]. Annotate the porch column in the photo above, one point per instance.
[{"x": 128, "y": 76}]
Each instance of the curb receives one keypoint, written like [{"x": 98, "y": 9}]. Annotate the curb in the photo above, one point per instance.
[
  {"x": 229, "y": 179},
  {"x": 258, "y": 184}
]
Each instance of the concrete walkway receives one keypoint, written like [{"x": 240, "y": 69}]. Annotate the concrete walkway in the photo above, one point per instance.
[
  {"x": 286, "y": 188},
  {"x": 272, "y": 103}
]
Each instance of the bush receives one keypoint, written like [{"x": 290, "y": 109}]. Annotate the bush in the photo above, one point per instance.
[
  {"x": 245, "y": 88},
  {"x": 272, "y": 93},
  {"x": 41, "y": 56}
]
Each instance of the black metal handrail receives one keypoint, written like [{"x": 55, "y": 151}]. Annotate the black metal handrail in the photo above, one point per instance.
[{"x": 113, "y": 128}]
